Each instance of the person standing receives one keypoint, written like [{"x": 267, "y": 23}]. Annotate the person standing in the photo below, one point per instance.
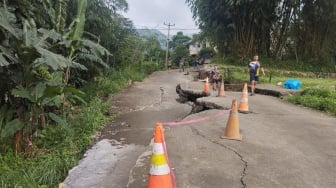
[
  {"x": 170, "y": 63},
  {"x": 182, "y": 62},
  {"x": 254, "y": 70},
  {"x": 215, "y": 75},
  {"x": 196, "y": 61}
]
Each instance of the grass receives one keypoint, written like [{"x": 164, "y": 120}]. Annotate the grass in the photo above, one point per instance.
[
  {"x": 288, "y": 65},
  {"x": 115, "y": 80},
  {"x": 272, "y": 76},
  {"x": 57, "y": 149},
  {"x": 317, "y": 93},
  {"x": 317, "y": 98}
]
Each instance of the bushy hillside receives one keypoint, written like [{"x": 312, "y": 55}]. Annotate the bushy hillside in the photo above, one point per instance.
[{"x": 149, "y": 32}]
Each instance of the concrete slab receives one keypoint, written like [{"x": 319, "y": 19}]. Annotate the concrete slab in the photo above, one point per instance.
[
  {"x": 213, "y": 102},
  {"x": 273, "y": 90}
]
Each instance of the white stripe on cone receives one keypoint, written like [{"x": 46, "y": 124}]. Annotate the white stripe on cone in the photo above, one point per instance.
[
  {"x": 159, "y": 170},
  {"x": 158, "y": 148},
  {"x": 243, "y": 99}
]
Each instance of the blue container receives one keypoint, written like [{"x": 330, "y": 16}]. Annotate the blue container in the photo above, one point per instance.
[{"x": 292, "y": 84}]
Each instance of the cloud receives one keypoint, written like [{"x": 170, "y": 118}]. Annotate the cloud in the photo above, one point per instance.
[{"x": 153, "y": 13}]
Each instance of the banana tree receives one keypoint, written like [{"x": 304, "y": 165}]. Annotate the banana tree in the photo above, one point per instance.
[
  {"x": 36, "y": 65},
  {"x": 31, "y": 64}
]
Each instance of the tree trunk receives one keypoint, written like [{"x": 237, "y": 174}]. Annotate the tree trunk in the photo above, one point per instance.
[
  {"x": 43, "y": 119},
  {"x": 19, "y": 134}
]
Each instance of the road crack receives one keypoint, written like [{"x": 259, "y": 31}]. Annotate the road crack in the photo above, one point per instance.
[{"x": 243, "y": 174}]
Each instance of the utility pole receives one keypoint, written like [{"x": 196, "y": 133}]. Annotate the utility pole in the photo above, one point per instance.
[{"x": 167, "y": 50}]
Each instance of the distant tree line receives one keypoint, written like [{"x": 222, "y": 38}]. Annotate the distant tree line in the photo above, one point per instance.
[{"x": 283, "y": 29}]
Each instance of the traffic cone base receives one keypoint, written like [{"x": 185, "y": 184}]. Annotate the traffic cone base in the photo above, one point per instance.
[
  {"x": 243, "y": 112},
  {"x": 228, "y": 138},
  {"x": 162, "y": 181}
]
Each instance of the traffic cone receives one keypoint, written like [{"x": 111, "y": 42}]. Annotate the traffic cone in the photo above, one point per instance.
[
  {"x": 243, "y": 105},
  {"x": 232, "y": 125},
  {"x": 206, "y": 86},
  {"x": 221, "y": 92},
  {"x": 159, "y": 173}
]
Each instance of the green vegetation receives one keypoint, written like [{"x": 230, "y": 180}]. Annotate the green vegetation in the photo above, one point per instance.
[
  {"x": 294, "y": 30},
  {"x": 275, "y": 74},
  {"x": 206, "y": 51},
  {"x": 115, "y": 80},
  {"x": 318, "y": 98},
  {"x": 49, "y": 50},
  {"x": 59, "y": 60},
  {"x": 56, "y": 149},
  {"x": 179, "y": 46},
  {"x": 317, "y": 93},
  {"x": 240, "y": 74},
  {"x": 179, "y": 40},
  {"x": 281, "y": 66}
]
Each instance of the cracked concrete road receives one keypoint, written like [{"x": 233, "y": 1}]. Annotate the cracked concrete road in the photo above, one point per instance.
[{"x": 283, "y": 145}]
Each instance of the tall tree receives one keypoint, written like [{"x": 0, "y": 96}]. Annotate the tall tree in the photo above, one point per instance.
[
  {"x": 282, "y": 28},
  {"x": 152, "y": 48},
  {"x": 179, "y": 39},
  {"x": 318, "y": 21}
]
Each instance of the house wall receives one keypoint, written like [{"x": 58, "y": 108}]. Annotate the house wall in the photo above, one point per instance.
[{"x": 194, "y": 49}]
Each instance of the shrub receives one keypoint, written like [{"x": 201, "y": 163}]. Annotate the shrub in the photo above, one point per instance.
[
  {"x": 323, "y": 92},
  {"x": 206, "y": 52},
  {"x": 317, "y": 98},
  {"x": 57, "y": 148}
]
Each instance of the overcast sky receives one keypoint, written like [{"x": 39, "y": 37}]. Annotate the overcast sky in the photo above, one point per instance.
[{"x": 153, "y": 13}]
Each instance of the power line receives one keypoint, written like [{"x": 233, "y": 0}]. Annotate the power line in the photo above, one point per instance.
[
  {"x": 141, "y": 27},
  {"x": 165, "y": 29},
  {"x": 169, "y": 25}
]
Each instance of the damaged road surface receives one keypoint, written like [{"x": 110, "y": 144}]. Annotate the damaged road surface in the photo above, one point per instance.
[{"x": 283, "y": 145}]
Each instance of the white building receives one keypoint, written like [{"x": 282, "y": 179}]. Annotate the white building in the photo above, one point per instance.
[{"x": 195, "y": 47}]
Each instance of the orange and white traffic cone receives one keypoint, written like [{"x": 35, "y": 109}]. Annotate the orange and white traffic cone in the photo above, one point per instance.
[
  {"x": 206, "y": 86},
  {"x": 243, "y": 105},
  {"x": 159, "y": 173},
  {"x": 221, "y": 92},
  {"x": 232, "y": 125}
]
